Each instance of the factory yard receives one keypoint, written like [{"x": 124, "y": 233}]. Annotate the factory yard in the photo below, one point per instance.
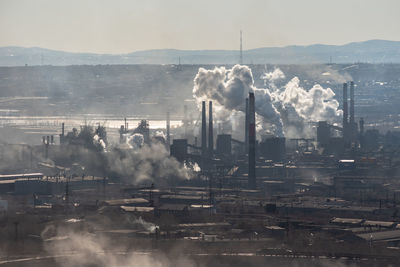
[{"x": 191, "y": 186}]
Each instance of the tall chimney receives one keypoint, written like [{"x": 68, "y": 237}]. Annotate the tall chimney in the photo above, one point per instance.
[
  {"x": 210, "y": 130},
  {"x": 246, "y": 128},
  {"x": 352, "y": 121},
  {"x": 361, "y": 136},
  {"x": 185, "y": 120},
  {"x": 62, "y": 129},
  {"x": 345, "y": 108},
  {"x": 168, "y": 134},
  {"x": 203, "y": 130},
  {"x": 252, "y": 143}
]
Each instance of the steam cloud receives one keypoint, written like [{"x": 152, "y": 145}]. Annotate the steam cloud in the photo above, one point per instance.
[
  {"x": 229, "y": 88},
  {"x": 148, "y": 163},
  {"x": 280, "y": 111},
  {"x": 86, "y": 249}
]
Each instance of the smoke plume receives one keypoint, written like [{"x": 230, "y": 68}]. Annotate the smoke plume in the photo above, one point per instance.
[
  {"x": 280, "y": 110},
  {"x": 87, "y": 249},
  {"x": 150, "y": 163},
  {"x": 228, "y": 90}
]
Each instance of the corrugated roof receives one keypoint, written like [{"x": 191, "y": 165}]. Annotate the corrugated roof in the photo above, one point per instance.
[
  {"x": 137, "y": 209},
  {"x": 209, "y": 224},
  {"x": 120, "y": 202},
  {"x": 347, "y": 221},
  {"x": 379, "y": 223},
  {"x": 381, "y": 235}
]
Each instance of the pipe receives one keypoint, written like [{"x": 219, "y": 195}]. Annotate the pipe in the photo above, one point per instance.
[
  {"x": 185, "y": 120},
  {"x": 345, "y": 107},
  {"x": 252, "y": 143},
  {"x": 203, "y": 130},
  {"x": 362, "y": 126},
  {"x": 210, "y": 130},
  {"x": 352, "y": 121},
  {"x": 246, "y": 128},
  {"x": 168, "y": 131}
]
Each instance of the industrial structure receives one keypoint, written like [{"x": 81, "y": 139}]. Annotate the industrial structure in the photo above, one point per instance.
[{"x": 339, "y": 188}]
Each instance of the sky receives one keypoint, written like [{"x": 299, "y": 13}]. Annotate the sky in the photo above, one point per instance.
[{"x": 123, "y": 26}]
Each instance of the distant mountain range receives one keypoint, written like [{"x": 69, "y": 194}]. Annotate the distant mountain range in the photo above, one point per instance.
[{"x": 372, "y": 51}]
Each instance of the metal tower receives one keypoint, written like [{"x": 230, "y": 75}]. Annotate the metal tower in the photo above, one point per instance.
[{"x": 241, "y": 49}]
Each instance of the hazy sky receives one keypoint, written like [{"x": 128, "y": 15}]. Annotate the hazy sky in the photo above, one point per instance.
[{"x": 120, "y": 26}]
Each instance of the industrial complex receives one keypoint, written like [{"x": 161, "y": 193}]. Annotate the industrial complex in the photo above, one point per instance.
[{"x": 333, "y": 194}]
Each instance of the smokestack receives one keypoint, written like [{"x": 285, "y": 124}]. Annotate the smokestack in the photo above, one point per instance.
[
  {"x": 62, "y": 129},
  {"x": 203, "y": 130},
  {"x": 246, "y": 128},
  {"x": 168, "y": 134},
  {"x": 46, "y": 147},
  {"x": 352, "y": 121},
  {"x": 252, "y": 143},
  {"x": 210, "y": 130},
  {"x": 185, "y": 120},
  {"x": 361, "y": 135},
  {"x": 345, "y": 107},
  {"x": 362, "y": 126}
]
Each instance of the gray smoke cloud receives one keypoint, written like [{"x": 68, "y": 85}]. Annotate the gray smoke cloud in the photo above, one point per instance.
[
  {"x": 71, "y": 248},
  {"x": 135, "y": 140},
  {"x": 150, "y": 163},
  {"x": 279, "y": 110}
]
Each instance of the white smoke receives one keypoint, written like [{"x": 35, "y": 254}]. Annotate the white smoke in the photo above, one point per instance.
[
  {"x": 271, "y": 77},
  {"x": 315, "y": 104},
  {"x": 97, "y": 141},
  {"x": 160, "y": 134},
  {"x": 228, "y": 90},
  {"x": 71, "y": 248},
  {"x": 279, "y": 110},
  {"x": 150, "y": 163},
  {"x": 142, "y": 224}
]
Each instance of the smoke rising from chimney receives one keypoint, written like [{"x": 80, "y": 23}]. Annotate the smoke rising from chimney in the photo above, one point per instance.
[
  {"x": 228, "y": 88},
  {"x": 278, "y": 110}
]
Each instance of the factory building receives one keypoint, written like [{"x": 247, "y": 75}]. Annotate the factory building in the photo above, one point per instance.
[
  {"x": 224, "y": 145},
  {"x": 179, "y": 149},
  {"x": 273, "y": 148},
  {"x": 349, "y": 130}
]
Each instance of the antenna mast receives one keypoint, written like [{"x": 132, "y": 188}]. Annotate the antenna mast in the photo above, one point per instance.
[{"x": 241, "y": 48}]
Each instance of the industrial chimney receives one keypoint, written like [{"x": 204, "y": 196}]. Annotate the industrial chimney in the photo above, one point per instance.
[
  {"x": 185, "y": 120},
  {"x": 361, "y": 135},
  {"x": 246, "y": 128},
  {"x": 62, "y": 134},
  {"x": 210, "y": 130},
  {"x": 352, "y": 121},
  {"x": 345, "y": 114},
  {"x": 252, "y": 143},
  {"x": 168, "y": 133},
  {"x": 345, "y": 107},
  {"x": 203, "y": 130}
]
